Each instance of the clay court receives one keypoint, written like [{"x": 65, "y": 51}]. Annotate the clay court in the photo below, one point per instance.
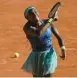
[{"x": 13, "y": 39}]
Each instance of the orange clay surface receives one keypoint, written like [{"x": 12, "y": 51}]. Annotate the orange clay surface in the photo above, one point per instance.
[{"x": 13, "y": 39}]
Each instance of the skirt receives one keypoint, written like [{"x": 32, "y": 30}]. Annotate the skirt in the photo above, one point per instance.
[{"x": 41, "y": 63}]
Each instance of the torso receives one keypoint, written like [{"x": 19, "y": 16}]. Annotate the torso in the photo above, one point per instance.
[{"x": 43, "y": 42}]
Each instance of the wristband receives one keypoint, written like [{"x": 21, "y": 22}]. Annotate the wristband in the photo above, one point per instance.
[
  {"x": 63, "y": 47},
  {"x": 50, "y": 20}
]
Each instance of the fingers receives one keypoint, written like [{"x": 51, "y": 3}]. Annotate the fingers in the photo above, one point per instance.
[
  {"x": 63, "y": 57},
  {"x": 55, "y": 19}
]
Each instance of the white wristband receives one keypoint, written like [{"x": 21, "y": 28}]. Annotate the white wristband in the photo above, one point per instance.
[{"x": 63, "y": 47}]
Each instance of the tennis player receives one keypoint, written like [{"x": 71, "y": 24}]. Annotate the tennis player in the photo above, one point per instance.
[{"x": 42, "y": 60}]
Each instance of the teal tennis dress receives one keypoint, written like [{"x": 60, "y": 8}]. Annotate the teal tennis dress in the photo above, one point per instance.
[{"x": 43, "y": 59}]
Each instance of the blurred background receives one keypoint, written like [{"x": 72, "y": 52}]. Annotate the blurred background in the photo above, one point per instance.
[{"x": 13, "y": 39}]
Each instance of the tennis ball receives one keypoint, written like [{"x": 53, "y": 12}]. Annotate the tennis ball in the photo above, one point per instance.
[{"x": 16, "y": 54}]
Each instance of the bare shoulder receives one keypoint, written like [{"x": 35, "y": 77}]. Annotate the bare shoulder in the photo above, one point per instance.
[
  {"x": 26, "y": 26},
  {"x": 30, "y": 30}
]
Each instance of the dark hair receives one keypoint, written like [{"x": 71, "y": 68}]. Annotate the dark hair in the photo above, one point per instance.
[{"x": 30, "y": 9}]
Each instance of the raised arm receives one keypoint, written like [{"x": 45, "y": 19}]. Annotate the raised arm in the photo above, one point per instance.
[{"x": 37, "y": 31}]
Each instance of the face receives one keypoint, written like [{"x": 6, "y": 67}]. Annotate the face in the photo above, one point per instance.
[{"x": 33, "y": 16}]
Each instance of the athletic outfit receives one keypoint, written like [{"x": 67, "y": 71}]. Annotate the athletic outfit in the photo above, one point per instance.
[{"x": 43, "y": 59}]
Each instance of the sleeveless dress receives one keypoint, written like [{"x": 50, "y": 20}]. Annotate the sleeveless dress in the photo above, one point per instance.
[{"x": 43, "y": 59}]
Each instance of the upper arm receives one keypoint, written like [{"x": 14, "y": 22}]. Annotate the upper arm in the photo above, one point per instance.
[{"x": 29, "y": 31}]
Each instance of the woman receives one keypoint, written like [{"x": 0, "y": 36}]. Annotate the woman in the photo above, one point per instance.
[{"x": 42, "y": 61}]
